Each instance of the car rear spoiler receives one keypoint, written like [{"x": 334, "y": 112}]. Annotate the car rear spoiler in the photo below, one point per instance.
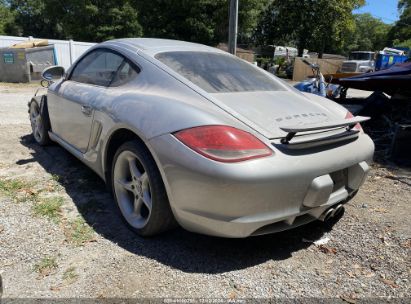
[{"x": 293, "y": 130}]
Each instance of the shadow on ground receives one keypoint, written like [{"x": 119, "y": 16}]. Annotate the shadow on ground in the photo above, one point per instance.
[{"x": 179, "y": 249}]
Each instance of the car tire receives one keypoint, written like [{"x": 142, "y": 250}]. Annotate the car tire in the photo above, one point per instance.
[
  {"x": 139, "y": 191},
  {"x": 40, "y": 121}
]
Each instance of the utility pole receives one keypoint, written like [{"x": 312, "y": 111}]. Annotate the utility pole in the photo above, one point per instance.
[{"x": 233, "y": 27}]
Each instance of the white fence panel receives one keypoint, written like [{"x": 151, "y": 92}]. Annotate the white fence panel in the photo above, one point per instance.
[
  {"x": 6, "y": 41},
  {"x": 67, "y": 51}
]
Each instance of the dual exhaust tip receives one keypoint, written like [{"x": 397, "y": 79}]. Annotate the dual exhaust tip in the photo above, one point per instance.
[{"x": 331, "y": 213}]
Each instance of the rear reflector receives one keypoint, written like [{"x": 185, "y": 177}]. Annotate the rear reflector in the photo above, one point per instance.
[{"x": 223, "y": 143}]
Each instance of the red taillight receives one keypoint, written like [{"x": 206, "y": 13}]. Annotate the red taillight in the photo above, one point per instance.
[
  {"x": 357, "y": 126},
  {"x": 223, "y": 143}
]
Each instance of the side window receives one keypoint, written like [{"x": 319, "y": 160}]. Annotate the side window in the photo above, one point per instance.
[
  {"x": 124, "y": 74},
  {"x": 98, "y": 68}
]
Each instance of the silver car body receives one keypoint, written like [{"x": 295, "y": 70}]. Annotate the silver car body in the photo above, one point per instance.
[{"x": 292, "y": 187}]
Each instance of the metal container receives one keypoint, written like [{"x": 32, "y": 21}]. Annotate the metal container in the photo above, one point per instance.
[
  {"x": 25, "y": 65},
  {"x": 386, "y": 61}
]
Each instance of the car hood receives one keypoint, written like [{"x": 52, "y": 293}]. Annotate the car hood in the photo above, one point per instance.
[{"x": 266, "y": 112}]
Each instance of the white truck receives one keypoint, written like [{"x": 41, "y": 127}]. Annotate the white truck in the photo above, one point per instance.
[
  {"x": 284, "y": 51},
  {"x": 359, "y": 62},
  {"x": 367, "y": 61}
]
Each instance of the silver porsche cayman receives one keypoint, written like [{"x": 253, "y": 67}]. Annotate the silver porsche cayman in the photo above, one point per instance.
[{"x": 188, "y": 134}]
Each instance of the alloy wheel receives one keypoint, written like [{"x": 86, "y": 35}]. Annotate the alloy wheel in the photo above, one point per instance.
[
  {"x": 36, "y": 122},
  {"x": 132, "y": 189}
]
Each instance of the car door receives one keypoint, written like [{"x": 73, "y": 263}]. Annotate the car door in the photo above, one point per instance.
[{"x": 71, "y": 103}]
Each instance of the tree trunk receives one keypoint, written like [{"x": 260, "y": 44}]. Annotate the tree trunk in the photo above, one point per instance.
[
  {"x": 301, "y": 47},
  {"x": 321, "y": 50},
  {"x": 320, "y": 54}
]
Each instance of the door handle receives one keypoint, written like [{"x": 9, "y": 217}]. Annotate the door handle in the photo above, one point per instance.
[{"x": 86, "y": 110}]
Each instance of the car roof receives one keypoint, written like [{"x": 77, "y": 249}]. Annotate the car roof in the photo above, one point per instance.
[
  {"x": 154, "y": 45},
  {"x": 151, "y": 46}
]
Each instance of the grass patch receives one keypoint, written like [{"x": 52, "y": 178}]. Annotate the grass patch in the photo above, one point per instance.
[
  {"x": 10, "y": 186},
  {"x": 79, "y": 232},
  {"x": 18, "y": 190},
  {"x": 70, "y": 274},
  {"x": 46, "y": 266},
  {"x": 49, "y": 207}
]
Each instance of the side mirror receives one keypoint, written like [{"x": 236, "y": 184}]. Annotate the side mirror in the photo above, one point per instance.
[{"x": 52, "y": 74}]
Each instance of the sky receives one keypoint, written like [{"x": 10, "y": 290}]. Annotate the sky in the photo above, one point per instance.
[{"x": 386, "y": 10}]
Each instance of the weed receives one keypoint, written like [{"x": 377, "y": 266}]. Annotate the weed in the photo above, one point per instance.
[
  {"x": 49, "y": 207},
  {"x": 11, "y": 185},
  {"x": 70, "y": 274},
  {"x": 46, "y": 266},
  {"x": 18, "y": 190},
  {"x": 79, "y": 232}
]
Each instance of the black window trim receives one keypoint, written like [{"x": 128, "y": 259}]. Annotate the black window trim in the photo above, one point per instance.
[{"x": 133, "y": 65}]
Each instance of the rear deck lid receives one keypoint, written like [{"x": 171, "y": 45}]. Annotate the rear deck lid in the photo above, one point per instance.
[{"x": 268, "y": 111}]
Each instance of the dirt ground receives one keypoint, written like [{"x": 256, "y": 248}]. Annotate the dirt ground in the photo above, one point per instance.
[{"x": 61, "y": 237}]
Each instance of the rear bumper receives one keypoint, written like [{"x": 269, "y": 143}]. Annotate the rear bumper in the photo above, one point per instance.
[{"x": 259, "y": 196}]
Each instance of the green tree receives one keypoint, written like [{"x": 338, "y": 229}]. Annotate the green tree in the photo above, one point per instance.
[
  {"x": 400, "y": 34},
  {"x": 320, "y": 25},
  {"x": 249, "y": 14},
  {"x": 32, "y": 19},
  {"x": 89, "y": 20},
  {"x": 6, "y": 18},
  {"x": 370, "y": 34},
  {"x": 204, "y": 21},
  {"x": 98, "y": 20},
  {"x": 181, "y": 19}
]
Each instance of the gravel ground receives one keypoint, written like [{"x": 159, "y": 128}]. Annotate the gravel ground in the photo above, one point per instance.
[{"x": 83, "y": 249}]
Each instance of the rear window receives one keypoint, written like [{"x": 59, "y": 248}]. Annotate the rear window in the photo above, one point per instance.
[{"x": 218, "y": 73}]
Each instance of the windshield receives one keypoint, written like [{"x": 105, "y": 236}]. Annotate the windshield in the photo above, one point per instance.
[
  {"x": 361, "y": 56},
  {"x": 218, "y": 73}
]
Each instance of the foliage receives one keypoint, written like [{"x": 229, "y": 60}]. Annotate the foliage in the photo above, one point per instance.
[
  {"x": 49, "y": 207},
  {"x": 18, "y": 190},
  {"x": 250, "y": 12},
  {"x": 318, "y": 25},
  {"x": 78, "y": 232},
  {"x": 400, "y": 34},
  {"x": 370, "y": 34},
  {"x": 6, "y": 17},
  {"x": 70, "y": 274},
  {"x": 405, "y": 43},
  {"x": 182, "y": 19},
  {"x": 11, "y": 186},
  {"x": 204, "y": 21},
  {"x": 88, "y": 20},
  {"x": 46, "y": 266}
]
